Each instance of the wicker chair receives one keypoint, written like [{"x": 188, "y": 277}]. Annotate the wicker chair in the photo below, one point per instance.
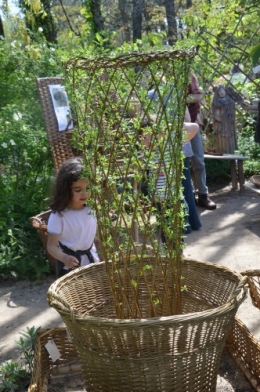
[
  {"x": 60, "y": 148},
  {"x": 59, "y": 141}
]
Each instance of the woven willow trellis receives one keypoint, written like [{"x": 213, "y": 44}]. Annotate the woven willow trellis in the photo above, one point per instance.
[{"x": 130, "y": 141}]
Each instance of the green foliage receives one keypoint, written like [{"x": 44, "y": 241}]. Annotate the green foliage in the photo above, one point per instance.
[
  {"x": 249, "y": 148},
  {"x": 26, "y": 345},
  {"x": 218, "y": 31},
  {"x": 217, "y": 171},
  {"x": 255, "y": 54},
  {"x": 25, "y": 160},
  {"x": 19, "y": 65},
  {"x": 38, "y": 15},
  {"x": 12, "y": 377},
  {"x": 15, "y": 376},
  {"x": 25, "y": 171}
]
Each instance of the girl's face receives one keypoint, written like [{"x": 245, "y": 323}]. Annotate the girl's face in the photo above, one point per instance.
[{"x": 80, "y": 194}]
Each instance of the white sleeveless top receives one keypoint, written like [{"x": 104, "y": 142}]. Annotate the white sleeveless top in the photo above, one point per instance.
[{"x": 77, "y": 230}]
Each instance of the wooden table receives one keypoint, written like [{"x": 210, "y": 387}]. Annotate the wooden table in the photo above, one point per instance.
[{"x": 236, "y": 166}]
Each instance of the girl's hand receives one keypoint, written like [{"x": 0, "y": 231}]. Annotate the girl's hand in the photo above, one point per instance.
[{"x": 70, "y": 261}]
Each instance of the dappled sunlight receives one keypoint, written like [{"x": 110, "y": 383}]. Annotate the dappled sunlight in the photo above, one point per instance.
[
  {"x": 10, "y": 332},
  {"x": 253, "y": 206},
  {"x": 23, "y": 305},
  {"x": 228, "y": 231}
]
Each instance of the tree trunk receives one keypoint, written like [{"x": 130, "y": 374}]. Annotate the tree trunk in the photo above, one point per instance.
[
  {"x": 147, "y": 16},
  {"x": 2, "y": 33},
  {"x": 98, "y": 21},
  {"x": 125, "y": 20},
  {"x": 37, "y": 20},
  {"x": 171, "y": 20},
  {"x": 137, "y": 19},
  {"x": 49, "y": 28}
]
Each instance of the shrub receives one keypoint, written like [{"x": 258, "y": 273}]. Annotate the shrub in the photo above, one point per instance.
[
  {"x": 15, "y": 376},
  {"x": 25, "y": 175}
]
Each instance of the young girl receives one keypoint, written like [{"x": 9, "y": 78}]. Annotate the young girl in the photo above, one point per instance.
[{"x": 72, "y": 224}]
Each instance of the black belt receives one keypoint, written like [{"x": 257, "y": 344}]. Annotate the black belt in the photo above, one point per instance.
[{"x": 77, "y": 253}]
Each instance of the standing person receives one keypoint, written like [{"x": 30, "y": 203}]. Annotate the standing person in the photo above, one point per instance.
[
  {"x": 72, "y": 224},
  {"x": 194, "y": 97},
  {"x": 192, "y": 220}
]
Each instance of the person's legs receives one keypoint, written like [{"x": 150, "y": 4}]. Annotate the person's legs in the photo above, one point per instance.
[
  {"x": 198, "y": 166},
  {"x": 193, "y": 217}
]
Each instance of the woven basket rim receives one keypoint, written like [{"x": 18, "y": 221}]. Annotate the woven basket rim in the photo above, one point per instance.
[
  {"x": 36, "y": 221},
  {"x": 255, "y": 179},
  {"x": 127, "y": 59},
  {"x": 53, "y": 301}
]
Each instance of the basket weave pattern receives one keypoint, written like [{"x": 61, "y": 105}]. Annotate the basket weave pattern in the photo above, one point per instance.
[
  {"x": 255, "y": 180},
  {"x": 60, "y": 145},
  {"x": 145, "y": 354},
  {"x": 44, "y": 367},
  {"x": 245, "y": 350},
  {"x": 241, "y": 343},
  {"x": 254, "y": 285}
]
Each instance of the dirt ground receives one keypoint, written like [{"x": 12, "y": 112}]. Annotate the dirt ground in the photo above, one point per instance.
[{"x": 229, "y": 236}]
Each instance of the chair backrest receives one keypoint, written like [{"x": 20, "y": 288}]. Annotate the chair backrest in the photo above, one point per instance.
[{"x": 59, "y": 141}]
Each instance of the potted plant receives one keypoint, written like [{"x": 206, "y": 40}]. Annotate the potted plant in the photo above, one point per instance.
[{"x": 144, "y": 319}]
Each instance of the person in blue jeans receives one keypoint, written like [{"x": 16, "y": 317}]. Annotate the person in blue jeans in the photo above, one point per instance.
[
  {"x": 192, "y": 218},
  {"x": 194, "y": 97}
]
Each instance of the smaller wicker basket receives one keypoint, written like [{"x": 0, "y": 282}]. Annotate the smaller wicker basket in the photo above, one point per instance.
[
  {"x": 40, "y": 222},
  {"x": 245, "y": 351},
  {"x": 44, "y": 368},
  {"x": 253, "y": 279},
  {"x": 241, "y": 343},
  {"x": 255, "y": 180}
]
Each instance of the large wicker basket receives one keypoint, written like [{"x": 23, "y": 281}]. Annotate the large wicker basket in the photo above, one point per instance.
[
  {"x": 167, "y": 353},
  {"x": 44, "y": 367}
]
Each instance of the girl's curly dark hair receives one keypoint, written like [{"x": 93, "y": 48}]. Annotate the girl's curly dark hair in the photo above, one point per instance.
[{"x": 70, "y": 171}]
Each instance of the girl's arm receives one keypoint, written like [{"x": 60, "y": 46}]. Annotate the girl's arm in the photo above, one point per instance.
[{"x": 52, "y": 247}]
